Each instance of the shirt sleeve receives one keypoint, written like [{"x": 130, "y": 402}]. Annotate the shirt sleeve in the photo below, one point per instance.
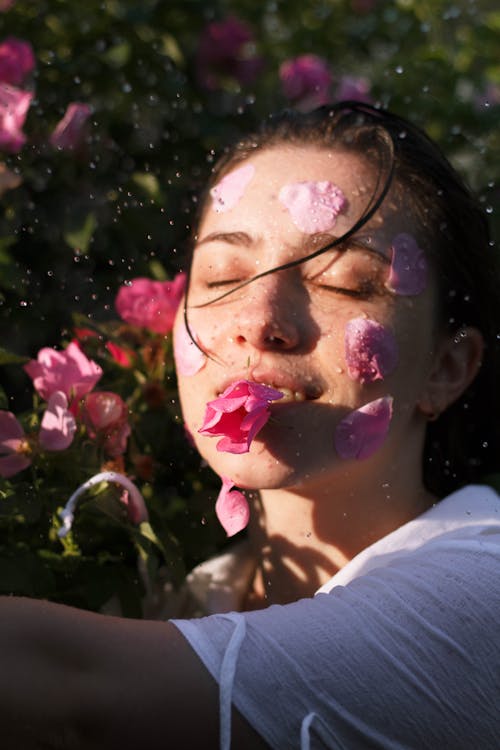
[{"x": 406, "y": 656}]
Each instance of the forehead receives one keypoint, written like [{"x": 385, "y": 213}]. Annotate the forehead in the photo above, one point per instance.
[{"x": 259, "y": 207}]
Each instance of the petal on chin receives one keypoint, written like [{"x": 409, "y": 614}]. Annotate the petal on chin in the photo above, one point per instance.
[
  {"x": 362, "y": 432},
  {"x": 231, "y": 508}
]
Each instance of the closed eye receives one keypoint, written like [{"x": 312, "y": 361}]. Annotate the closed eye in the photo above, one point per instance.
[
  {"x": 363, "y": 293},
  {"x": 221, "y": 282}
]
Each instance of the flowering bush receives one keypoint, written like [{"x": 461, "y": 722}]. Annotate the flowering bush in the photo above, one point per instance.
[{"x": 92, "y": 455}]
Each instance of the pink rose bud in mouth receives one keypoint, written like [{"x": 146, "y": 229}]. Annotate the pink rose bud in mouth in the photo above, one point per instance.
[
  {"x": 231, "y": 188},
  {"x": 362, "y": 432},
  {"x": 313, "y": 206},
  {"x": 370, "y": 350},
  {"x": 408, "y": 272},
  {"x": 231, "y": 508},
  {"x": 238, "y": 415}
]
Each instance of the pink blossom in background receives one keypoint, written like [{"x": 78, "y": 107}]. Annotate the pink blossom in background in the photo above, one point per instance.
[
  {"x": 58, "y": 425},
  {"x": 14, "y": 105},
  {"x": 70, "y": 131},
  {"x": 231, "y": 508},
  {"x": 188, "y": 358},
  {"x": 226, "y": 49},
  {"x": 238, "y": 415},
  {"x": 122, "y": 357},
  {"x": 353, "y": 88},
  {"x": 69, "y": 371},
  {"x": 313, "y": 206},
  {"x": 408, "y": 272},
  {"x": 363, "y": 431},
  {"x": 370, "y": 350},
  {"x": 306, "y": 81},
  {"x": 227, "y": 193},
  {"x": 136, "y": 507},
  {"x": 14, "y": 447},
  {"x": 151, "y": 304},
  {"x": 5, "y": 5},
  {"x": 17, "y": 60},
  {"x": 106, "y": 416}
]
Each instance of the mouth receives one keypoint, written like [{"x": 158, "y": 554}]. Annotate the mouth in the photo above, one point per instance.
[{"x": 292, "y": 390}]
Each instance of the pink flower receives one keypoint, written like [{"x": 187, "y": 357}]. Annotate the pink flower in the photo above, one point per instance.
[
  {"x": 306, "y": 81},
  {"x": 151, "y": 304},
  {"x": 58, "y": 425},
  {"x": 353, "y": 88},
  {"x": 69, "y": 131},
  {"x": 16, "y": 60},
  {"x": 68, "y": 371},
  {"x": 106, "y": 416},
  {"x": 14, "y": 446},
  {"x": 226, "y": 49},
  {"x": 363, "y": 431},
  {"x": 122, "y": 357},
  {"x": 5, "y": 5},
  {"x": 14, "y": 105},
  {"x": 370, "y": 350},
  {"x": 231, "y": 508},
  {"x": 238, "y": 415},
  {"x": 408, "y": 272}
]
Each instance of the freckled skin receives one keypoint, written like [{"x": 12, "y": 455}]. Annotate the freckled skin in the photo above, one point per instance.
[
  {"x": 189, "y": 359},
  {"x": 291, "y": 324}
]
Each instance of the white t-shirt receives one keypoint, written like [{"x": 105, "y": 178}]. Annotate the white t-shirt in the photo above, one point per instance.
[{"x": 400, "y": 649}]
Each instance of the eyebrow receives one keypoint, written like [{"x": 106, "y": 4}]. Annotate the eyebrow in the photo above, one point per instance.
[{"x": 231, "y": 238}]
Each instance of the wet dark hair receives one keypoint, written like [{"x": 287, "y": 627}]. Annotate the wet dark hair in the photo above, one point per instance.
[{"x": 462, "y": 445}]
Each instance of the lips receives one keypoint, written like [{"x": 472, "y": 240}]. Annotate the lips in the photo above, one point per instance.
[{"x": 293, "y": 389}]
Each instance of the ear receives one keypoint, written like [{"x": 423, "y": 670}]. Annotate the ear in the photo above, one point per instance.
[{"x": 455, "y": 365}]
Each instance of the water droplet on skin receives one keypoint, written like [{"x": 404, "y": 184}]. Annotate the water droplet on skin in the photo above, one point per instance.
[{"x": 339, "y": 370}]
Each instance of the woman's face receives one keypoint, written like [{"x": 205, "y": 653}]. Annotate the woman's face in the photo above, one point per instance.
[{"x": 304, "y": 330}]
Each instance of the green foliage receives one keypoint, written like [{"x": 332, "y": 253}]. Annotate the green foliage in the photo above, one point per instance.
[{"x": 84, "y": 221}]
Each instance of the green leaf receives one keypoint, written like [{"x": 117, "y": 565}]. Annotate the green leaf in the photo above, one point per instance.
[
  {"x": 9, "y": 358},
  {"x": 79, "y": 238}
]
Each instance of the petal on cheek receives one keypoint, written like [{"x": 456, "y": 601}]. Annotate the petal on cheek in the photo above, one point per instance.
[
  {"x": 231, "y": 508},
  {"x": 230, "y": 190},
  {"x": 363, "y": 431},
  {"x": 408, "y": 272},
  {"x": 371, "y": 351},
  {"x": 313, "y": 206},
  {"x": 188, "y": 358}
]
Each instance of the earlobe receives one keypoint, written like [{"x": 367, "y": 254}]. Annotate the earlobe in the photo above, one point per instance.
[{"x": 456, "y": 364}]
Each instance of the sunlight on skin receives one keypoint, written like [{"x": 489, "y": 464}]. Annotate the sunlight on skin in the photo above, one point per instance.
[{"x": 189, "y": 359}]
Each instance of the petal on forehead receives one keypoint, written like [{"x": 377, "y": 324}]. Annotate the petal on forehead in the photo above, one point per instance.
[
  {"x": 408, "y": 272},
  {"x": 227, "y": 192},
  {"x": 313, "y": 206}
]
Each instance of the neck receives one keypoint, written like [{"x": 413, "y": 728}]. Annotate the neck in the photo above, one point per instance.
[{"x": 302, "y": 536}]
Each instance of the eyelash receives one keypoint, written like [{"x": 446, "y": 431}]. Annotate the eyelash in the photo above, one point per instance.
[{"x": 222, "y": 282}]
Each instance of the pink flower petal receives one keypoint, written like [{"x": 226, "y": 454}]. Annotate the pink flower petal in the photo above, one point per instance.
[
  {"x": 231, "y": 508},
  {"x": 17, "y": 60},
  {"x": 188, "y": 358},
  {"x": 13, "y": 443},
  {"x": 306, "y": 81},
  {"x": 13, "y": 464},
  {"x": 151, "y": 304},
  {"x": 364, "y": 430},
  {"x": 371, "y": 351},
  {"x": 238, "y": 415},
  {"x": 313, "y": 206},
  {"x": 14, "y": 105},
  {"x": 69, "y": 371},
  {"x": 231, "y": 188},
  {"x": 58, "y": 426},
  {"x": 69, "y": 131},
  {"x": 408, "y": 272}
]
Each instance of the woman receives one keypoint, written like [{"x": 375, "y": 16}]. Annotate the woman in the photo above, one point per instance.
[{"x": 337, "y": 284}]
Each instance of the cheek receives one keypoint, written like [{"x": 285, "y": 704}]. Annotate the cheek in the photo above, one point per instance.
[{"x": 189, "y": 359}]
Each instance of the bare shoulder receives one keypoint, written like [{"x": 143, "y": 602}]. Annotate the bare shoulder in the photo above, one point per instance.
[{"x": 106, "y": 682}]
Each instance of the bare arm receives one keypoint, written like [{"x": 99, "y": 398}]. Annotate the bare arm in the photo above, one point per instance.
[{"x": 71, "y": 680}]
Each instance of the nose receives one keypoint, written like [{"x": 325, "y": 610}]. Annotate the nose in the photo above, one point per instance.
[{"x": 273, "y": 313}]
